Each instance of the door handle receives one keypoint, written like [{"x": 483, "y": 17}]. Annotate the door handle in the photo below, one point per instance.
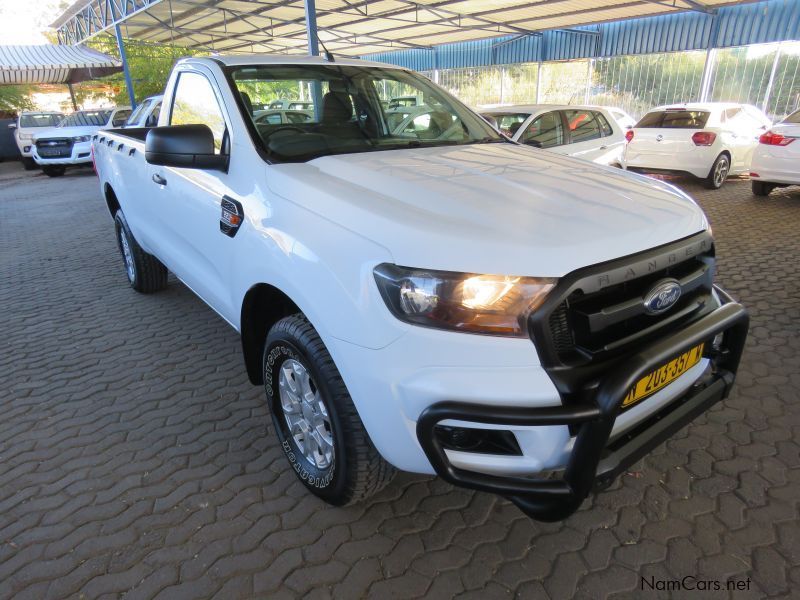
[
  {"x": 603, "y": 147},
  {"x": 157, "y": 178}
]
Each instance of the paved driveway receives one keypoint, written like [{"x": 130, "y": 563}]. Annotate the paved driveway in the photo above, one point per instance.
[{"x": 136, "y": 460}]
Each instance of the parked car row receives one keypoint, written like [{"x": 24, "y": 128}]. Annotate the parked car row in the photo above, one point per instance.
[
  {"x": 710, "y": 140},
  {"x": 54, "y": 141}
]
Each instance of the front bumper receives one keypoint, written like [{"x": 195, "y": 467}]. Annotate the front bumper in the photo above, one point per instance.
[{"x": 596, "y": 457}]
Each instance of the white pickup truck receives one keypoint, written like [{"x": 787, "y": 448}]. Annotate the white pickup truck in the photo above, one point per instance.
[{"x": 441, "y": 300}]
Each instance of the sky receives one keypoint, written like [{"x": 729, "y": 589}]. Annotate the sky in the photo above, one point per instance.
[{"x": 23, "y": 21}]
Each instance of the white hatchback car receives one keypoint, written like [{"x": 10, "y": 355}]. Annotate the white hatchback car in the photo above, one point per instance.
[
  {"x": 776, "y": 160},
  {"x": 709, "y": 140},
  {"x": 588, "y": 132}
]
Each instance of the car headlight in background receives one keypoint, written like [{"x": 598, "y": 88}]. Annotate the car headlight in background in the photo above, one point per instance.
[
  {"x": 81, "y": 138},
  {"x": 25, "y": 136},
  {"x": 487, "y": 304}
]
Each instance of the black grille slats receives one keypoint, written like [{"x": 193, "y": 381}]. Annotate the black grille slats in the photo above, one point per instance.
[{"x": 605, "y": 321}]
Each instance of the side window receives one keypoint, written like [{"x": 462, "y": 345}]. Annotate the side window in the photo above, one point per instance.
[
  {"x": 545, "y": 131},
  {"x": 583, "y": 125},
  {"x": 194, "y": 103},
  {"x": 605, "y": 126}
]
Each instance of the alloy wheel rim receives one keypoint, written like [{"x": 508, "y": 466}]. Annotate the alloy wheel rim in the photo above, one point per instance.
[
  {"x": 721, "y": 172},
  {"x": 126, "y": 253},
  {"x": 306, "y": 414}
]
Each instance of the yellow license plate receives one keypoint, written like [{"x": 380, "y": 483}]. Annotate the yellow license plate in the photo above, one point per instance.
[{"x": 663, "y": 376}]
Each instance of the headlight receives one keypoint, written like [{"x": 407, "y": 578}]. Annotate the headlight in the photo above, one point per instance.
[
  {"x": 81, "y": 138},
  {"x": 26, "y": 136},
  {"x": 488, "y": 304}
]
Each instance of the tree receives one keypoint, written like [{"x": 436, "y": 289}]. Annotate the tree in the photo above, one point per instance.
[
  {"x": 149, "y": 64},
  {"x": 15, "y": 98}
]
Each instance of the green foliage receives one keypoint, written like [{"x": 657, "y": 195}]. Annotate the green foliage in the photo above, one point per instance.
[
  {"x": 15, "y": 98},
  {"x": 149, "y": 64}
]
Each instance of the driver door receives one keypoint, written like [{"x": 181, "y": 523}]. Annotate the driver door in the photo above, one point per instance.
[{"x": 187, "y": 202}]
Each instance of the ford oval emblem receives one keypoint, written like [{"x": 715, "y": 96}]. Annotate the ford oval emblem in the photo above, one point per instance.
[{"x": 663, "y": 296}]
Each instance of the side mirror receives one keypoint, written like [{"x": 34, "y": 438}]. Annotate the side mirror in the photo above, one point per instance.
[
  {"x": 12, "y": 125},
  {"x": 186, "y": 146}
]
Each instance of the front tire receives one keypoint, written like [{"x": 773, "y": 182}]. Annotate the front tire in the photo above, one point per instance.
[
  {"x": 315, "y": 419},
  {"x": 54, "y": 171},
  {"x": 762, "y": 188},
  {"x": 145, "y": 272},
  {"x": 28, "y": 163},
  {"x": 718, "y": 173}
]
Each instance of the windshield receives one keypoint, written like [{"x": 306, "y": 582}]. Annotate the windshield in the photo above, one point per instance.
[
  {"x": 674, "y": 119},
  {"x": 350, "y": 111},
  {"x": 508, "y": 123},
  {"x": 139, "y": 111},
  {"x": 39, "y": 120},
  {"x": 94, "y": 118}
]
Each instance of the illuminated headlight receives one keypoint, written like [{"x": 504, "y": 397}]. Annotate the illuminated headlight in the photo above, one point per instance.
[
  {"x": 488, "y": 304},
  {"x": 81, "y": 138}
]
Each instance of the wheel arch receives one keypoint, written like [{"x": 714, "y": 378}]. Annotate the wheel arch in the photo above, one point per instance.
[{"x": 263, "y": 306}]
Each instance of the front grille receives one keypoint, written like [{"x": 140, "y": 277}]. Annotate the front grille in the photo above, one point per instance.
[
  {"x": 54, "y": 147},
  {"x": 599, "y": 314}
]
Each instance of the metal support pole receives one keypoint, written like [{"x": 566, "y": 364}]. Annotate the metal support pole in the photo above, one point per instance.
[
  {"x": 311, "y": 27},
  {"x": 588, "y": 80},
  {"x": 72, "y": 96},
  {"x": 124, "y": 57},
  {"x": 711, "y": 56},
  {"x": 774, "y": 70},
  {"x": 539, "y": 83},
  {"x": 313, "y": 50}
]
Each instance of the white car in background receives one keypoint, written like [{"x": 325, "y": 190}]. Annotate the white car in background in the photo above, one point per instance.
[
  {"x": 709, "y": 140},
  {"x": 776, "y": 160},
  {"x": 27, "y": 124},
  {"x": 624, "y": 119},
  {"x": 588, "y": 132},
  {"x": 70, "y": 142},
  {"x": 146, "y": 114}
]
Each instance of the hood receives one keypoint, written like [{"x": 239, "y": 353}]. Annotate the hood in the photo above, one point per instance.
[
  {"x": 491, "y": 208},
  {"x": 66, "y": 132}
]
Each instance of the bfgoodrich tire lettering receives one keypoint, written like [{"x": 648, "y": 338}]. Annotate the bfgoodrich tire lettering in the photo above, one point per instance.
[
  {"x": 356, "y": 470},
  {"x": 145, "y": 272}
]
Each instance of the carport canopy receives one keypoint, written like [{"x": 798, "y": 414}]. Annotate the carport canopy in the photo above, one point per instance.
[
  {"x": 347, "y": 27},
  {"x": 54, "y": 64}
]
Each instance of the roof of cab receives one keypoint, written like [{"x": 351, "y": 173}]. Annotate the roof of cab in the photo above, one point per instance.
[{"x": 283, "y": 59}]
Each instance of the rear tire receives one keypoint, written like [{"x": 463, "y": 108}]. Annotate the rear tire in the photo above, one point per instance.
[
  {"x": 54, "y": 171},
  {"x": 762, "y": 188},
  {"x": 315, "y": 419},
  {"x": 145, "y": 272},
  {"x": 718, "y": 173},
  {"x": 28, "y": 163}
]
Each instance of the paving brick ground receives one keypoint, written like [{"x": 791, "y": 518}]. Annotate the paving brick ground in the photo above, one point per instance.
[{"x": 136, "y": 460}]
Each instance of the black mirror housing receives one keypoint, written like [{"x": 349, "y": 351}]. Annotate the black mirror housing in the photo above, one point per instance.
[{"x": 186, "y": 146}]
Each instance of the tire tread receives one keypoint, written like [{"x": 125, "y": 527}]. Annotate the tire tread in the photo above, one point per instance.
[{"x": 369, "y": 471}]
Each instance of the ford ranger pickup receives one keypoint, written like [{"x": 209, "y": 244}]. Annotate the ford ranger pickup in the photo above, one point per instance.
[{"x": 435, "y": 298}]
